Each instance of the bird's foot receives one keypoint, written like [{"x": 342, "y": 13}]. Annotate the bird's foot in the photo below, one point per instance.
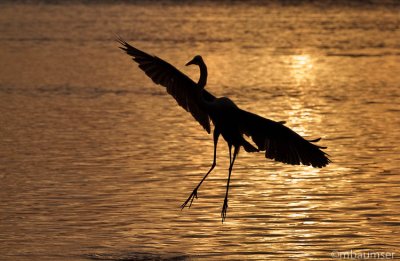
[
  {"x": 190, "y": 199},
  {"x": 224, "y": 209}
]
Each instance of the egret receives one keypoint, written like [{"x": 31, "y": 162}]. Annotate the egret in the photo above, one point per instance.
[{"x": 278, "y": 141}]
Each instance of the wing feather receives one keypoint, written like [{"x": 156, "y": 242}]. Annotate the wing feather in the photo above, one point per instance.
[
  {"x": 178, "y": 85},
  {"x": 281, "y": 143}
]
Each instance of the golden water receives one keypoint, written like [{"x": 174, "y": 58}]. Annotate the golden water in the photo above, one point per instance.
[{"x": 95, "y": 160}]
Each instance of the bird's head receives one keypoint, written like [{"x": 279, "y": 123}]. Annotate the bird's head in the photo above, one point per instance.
[{"x": 196, "y": 60}]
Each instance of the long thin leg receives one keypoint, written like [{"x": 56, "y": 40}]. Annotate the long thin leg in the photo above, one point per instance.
[
  {"x": 194, "y": 193},
  {"x": 231, "y": 162}
]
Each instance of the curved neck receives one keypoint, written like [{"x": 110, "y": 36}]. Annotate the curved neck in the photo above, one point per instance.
[{"x": 203, "y": 75}]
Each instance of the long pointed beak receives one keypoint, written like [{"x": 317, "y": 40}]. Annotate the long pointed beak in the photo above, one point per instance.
[{"x": 189, "y": 63}]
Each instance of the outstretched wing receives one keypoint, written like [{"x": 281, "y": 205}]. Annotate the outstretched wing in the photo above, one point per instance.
[
  {"x": 181, "y": 87},
  {"x": 281, "y": 143}
]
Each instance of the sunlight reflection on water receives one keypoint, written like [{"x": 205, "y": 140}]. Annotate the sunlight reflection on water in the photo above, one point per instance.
[{"x": 301, "y": 68}]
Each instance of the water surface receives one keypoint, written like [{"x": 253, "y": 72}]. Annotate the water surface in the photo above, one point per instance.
[{"x": 95, "y": 160}]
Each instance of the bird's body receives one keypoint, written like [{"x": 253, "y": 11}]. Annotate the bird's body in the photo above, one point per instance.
[
  {"x": 279, "y": 142},
  {"x": 223, "y": 112}
]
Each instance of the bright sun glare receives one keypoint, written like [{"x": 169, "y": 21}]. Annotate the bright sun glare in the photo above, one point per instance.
[
  {"x": 302, "y": 73},
  {"x": 301, "y": 67}
]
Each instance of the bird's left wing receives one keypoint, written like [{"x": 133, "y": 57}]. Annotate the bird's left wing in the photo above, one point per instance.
[
  {"x": 181, "y": 87},
  {"x": 281, "y": 143}
]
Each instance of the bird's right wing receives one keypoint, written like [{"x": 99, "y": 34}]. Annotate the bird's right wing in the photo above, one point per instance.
[
  {"x": 281, "y": 143},
  {"x": 181, "y": 87}
]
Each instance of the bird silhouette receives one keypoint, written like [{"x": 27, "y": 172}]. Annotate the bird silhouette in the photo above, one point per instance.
[{"x": 278, "y": 141}]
